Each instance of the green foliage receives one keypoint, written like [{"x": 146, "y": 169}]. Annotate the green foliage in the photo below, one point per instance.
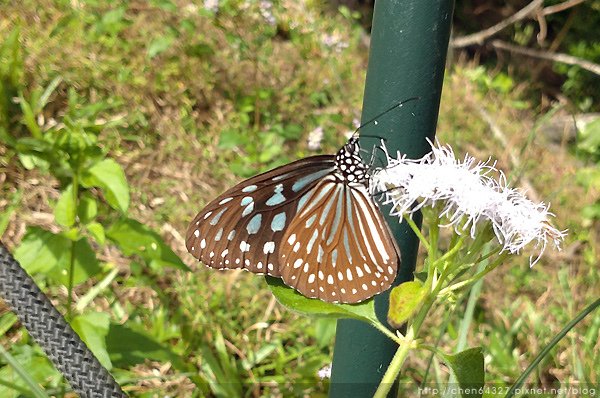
[
  {"x": 92, "y": 187},
  {"x": 364, "y": 311},
  {"x": 467, "y": 367},
  {"x": 589, "y": 177},
  {"x": 133, "y": 238},
  {"x": 93, "y": 328},
  {"x": 11, "y": 80},
  {"x": 185, "y": 100},
  {"x": 404, "y": 302},
  {"x": 570, "y": 31}
]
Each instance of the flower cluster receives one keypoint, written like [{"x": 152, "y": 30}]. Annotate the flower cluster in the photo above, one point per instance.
[
  {"x": 469, "y": 192},
  {"x": 266, "y": 10}
]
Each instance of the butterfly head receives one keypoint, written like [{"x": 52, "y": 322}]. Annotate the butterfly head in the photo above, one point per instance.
[{"x": 349, "y": 164}]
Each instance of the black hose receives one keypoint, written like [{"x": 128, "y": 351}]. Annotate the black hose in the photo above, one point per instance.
[{"x": 46, "y": 325}]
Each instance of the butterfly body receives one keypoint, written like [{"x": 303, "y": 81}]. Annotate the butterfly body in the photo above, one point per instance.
[{"x": 311, "y": 222}]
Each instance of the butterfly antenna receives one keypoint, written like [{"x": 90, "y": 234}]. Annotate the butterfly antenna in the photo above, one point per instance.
[{"x": 374, "y": 119}]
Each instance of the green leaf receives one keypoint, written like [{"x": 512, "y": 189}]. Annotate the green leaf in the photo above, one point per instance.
[
  {"x": 128, "y": 347},
  {"x": 41, "y": 250},
  {"x": 7, "y": 321},
  {"x": 325, "y": 329},
  {"x": 166, "y": 5},
  {"x": 85, "y": 263},
  {"x": 232, "y": 138},
  {"x": 8, "y": 212},
  {"x": 97, "y": 232},
  {"x": 65, "y": 209},
  {"x": 404, "y": 301},
  {"x": 290, "y": 298},
  {"x": 26, "y": 371},
  {"x": 93, "y": 328},
  {"x": 467, "y": 367},
  {"x": 135, "y": 238},
  {"x": 160, "y": 45},
  {"x": 109, "y": 176},
  {"x": 589, "y": 139},
  {"x": 45, "y": 97},
  {"x": 88, "y": 208},
  {"x": 221, "y": 369},
  {"x": 29, "y": 118},
  {"x": 30, "y": 161}
]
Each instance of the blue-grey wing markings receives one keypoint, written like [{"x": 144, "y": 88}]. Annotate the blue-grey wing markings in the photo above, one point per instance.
[{"x": 267, "y": 220}]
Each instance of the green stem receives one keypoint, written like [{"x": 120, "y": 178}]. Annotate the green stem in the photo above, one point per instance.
[
  {"x": 451, "y": 252},
  {"x": 379, "y": 326},
  {"x": 478, "y": 276},
  {"x": 34, "y": 388},
  {"x": 391, "y": 374},
  {"x": 407, "y": 343},
  {"x": 417, "y": 232},
  {"x": 72, "y": 252}
]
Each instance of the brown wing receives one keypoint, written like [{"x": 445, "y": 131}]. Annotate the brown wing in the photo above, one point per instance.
[
  {"x": 243, "y": 227},
  {"x": 338, "y": 248}
]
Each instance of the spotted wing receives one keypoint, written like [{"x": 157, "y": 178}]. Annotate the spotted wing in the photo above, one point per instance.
[
  {"x": 338, "y": 248},
  {"x": 243, "y": 227}
]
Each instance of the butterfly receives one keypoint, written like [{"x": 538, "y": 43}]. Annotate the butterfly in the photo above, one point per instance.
[{"x": 312, "y": 223}]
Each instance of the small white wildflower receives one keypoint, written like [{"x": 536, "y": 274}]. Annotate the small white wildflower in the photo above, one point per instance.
[
  {"x": 469, "y": 193},
  {"x": 315, "y": 138},
  {"x": 266, "y": 10},
  {"x": 211, "y": 5},
  {"x": 325, "y": 372},
  {"x": 334, "y": 41}
]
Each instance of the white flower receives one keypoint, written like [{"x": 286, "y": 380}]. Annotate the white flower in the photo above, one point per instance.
[
  {"x": 334, "y": 41},
  {"x": 315, "y": 138},
  {"x": 211, "y": 5},
  {"x": 325, "y": 372},
  {"x": 468, "y": 194},
  {"x": 266, "y": 10}
]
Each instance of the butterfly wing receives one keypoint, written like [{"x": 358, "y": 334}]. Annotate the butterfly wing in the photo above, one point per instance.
[
  {"x": 243, "y": 227},
  {"x": 338, "y": 248}
]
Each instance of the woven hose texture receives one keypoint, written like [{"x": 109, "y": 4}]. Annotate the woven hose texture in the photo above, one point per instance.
[{"x": 51, "y": 331}]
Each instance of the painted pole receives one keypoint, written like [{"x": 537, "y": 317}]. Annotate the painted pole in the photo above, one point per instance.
[{"x": 409, "y": 42}]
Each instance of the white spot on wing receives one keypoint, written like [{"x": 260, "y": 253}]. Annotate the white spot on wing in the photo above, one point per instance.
[
  {"x": 249, "y": 188},
  {"x": 244, "y": 247},
  {"x": 269, "y": 247},
  {"x": 292, "y": 239}
]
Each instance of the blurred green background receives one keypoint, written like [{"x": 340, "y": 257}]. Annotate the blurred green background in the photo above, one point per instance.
[{"x": 120, "y": 120}]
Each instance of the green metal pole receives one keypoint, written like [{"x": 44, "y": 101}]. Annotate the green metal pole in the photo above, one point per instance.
[{"x": 409, "y": 42}]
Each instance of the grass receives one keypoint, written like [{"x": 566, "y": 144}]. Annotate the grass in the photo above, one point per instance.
[{"x": 197, "y": 101}]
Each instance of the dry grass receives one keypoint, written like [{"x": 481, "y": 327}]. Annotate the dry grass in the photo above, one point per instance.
[{"x": 175, "y": 107}]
